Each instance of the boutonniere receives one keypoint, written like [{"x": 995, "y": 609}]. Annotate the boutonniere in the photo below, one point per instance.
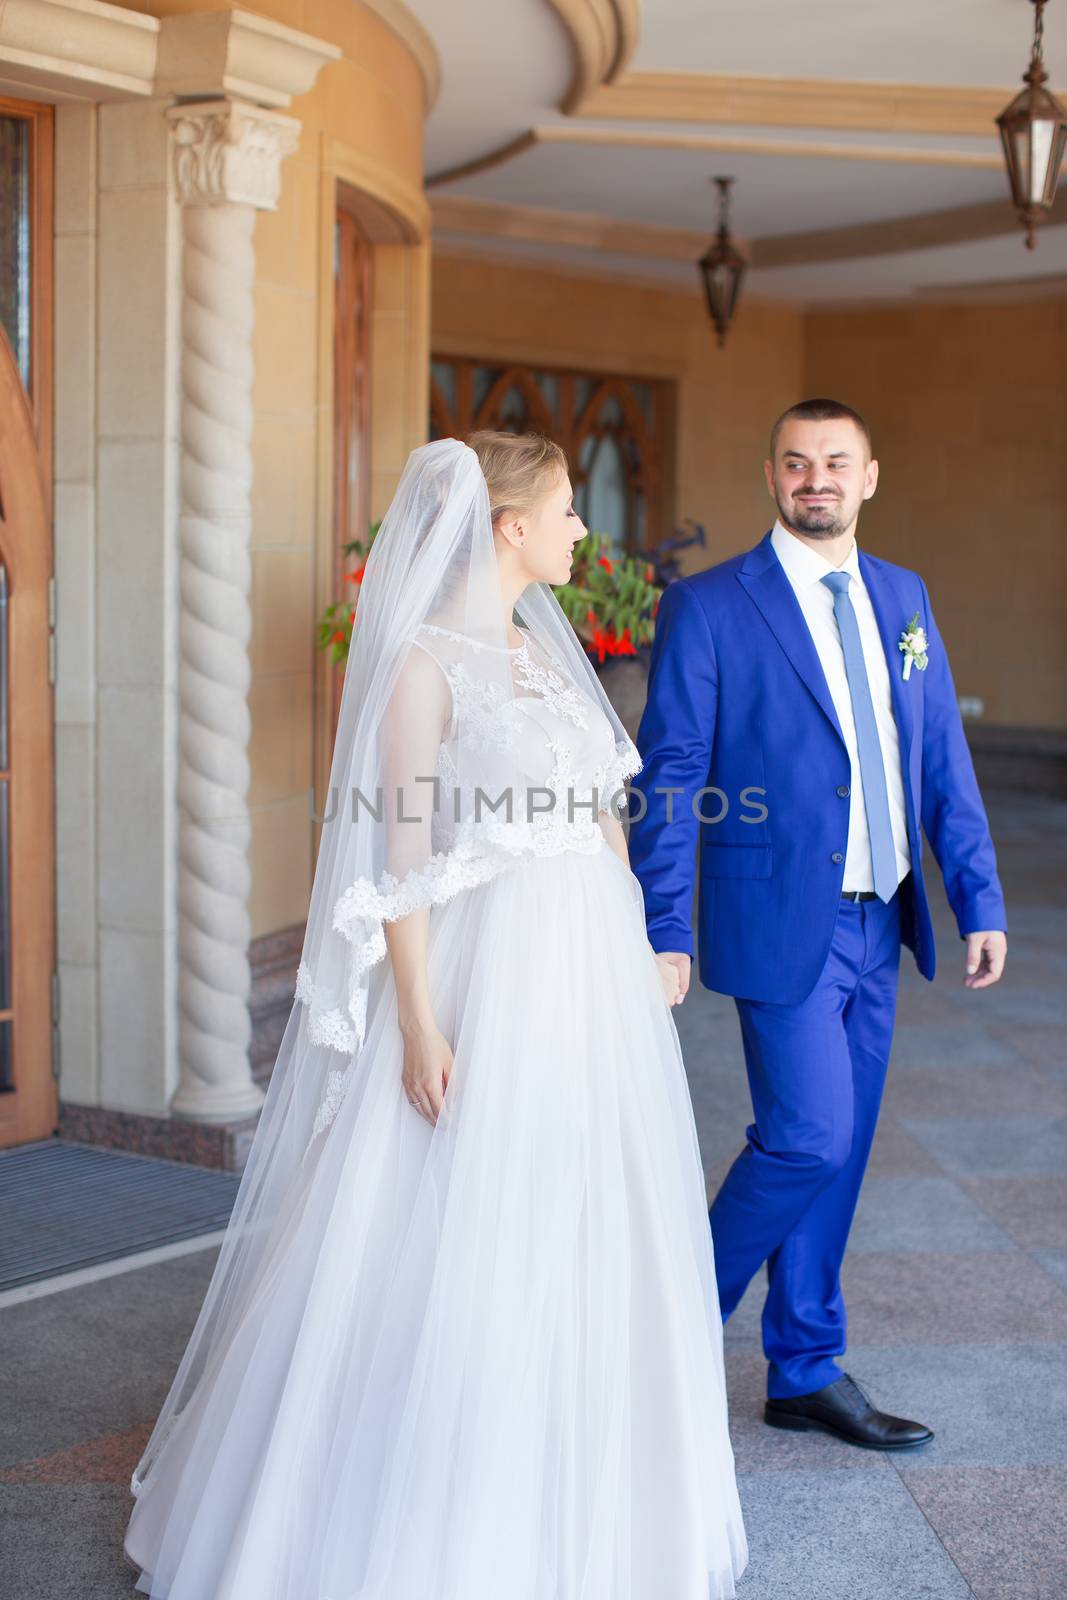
[{"x": 913, "y": 643}]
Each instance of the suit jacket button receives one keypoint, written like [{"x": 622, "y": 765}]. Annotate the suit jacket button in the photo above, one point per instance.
[
  {"x": 842, "y": 789},
  {"x": 837, "y": 856}
]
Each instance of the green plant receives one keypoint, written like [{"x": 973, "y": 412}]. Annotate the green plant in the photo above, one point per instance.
[
  {"x": 335, "y": 624},
  {"x": 610, "y": 601}
]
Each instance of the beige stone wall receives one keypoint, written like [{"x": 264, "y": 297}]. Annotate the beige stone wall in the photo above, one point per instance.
[
  {"x": 966, "y": 404},
  {"x": 726, "y": 399}
]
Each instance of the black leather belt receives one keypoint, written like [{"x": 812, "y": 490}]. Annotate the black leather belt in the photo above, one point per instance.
[{"x": 858, "y": 894}]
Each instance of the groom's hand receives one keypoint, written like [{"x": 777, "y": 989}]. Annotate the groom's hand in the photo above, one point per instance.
[
  {"x": 682, "y": 964},
  {"x": 985, "y": 958}
]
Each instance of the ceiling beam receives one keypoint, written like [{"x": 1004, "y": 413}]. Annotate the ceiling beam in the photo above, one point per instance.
[
  {"x": 486, "y": 219},
  {"x": 930, "y": 230},
  {"x": 582, "y": 230},
  {"x": 796, "y": 103},
  {"x": 989, "y": 160}
]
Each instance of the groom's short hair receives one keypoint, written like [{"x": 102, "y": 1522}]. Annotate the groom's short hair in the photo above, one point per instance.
[{"x": 821, "y": 410}]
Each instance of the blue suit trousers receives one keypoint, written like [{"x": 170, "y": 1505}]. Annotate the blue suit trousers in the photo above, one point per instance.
[{"x": 816, "y": 1071}]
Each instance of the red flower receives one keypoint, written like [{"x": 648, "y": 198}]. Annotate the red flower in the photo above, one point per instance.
[
  {"x": 602, "y": 561},
  {"x": 650, "y": 573},
  {"x": 357, "y": 576},
  {"x": 607, "y": 643},
  {"x": 339, "y": 636},
  {"x": 590, "y": 615}
]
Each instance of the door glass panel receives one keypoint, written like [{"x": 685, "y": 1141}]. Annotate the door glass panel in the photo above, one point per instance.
[
  {"x": 610, "y": 427},
  {"x": 15, "y": 238}
]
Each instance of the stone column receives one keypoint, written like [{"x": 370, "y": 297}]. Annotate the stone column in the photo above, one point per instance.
[{"x": 227, "y": 163}]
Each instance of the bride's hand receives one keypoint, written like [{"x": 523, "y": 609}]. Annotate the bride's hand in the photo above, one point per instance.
[
  {"x": 668, "y": 977},
  {"x": 674, "y": 969},
  {"x": 427, "y": 1065}
]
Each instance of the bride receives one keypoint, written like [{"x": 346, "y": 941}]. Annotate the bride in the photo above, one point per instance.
[{"x": 463, "y": 1340}]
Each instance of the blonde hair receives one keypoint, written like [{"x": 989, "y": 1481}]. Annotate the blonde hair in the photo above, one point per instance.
[{"x": 519, "y": 469}]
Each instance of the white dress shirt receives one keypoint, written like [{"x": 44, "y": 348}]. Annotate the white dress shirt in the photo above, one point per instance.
[{"x": 804, "y": 567}]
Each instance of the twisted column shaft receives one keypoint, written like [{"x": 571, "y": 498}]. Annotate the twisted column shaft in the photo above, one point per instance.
[{"x": 227, "y": 162}]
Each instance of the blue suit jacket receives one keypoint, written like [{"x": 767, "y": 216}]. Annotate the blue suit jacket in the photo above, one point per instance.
[{"x": 738, "y": 702}]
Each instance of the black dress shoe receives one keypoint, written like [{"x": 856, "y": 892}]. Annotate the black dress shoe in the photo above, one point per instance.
[{"x": 843, "y": 1408}]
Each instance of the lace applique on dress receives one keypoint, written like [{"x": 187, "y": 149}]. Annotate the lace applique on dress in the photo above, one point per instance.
[
  {"x": 562, "y": 697},
  {"x": 485, "y": 707},
  {"x": 482, "y": 706}
]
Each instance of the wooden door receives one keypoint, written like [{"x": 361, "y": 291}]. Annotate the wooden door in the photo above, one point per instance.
[
  {"x": 27, "y": 801},
  {"x": 353, "y": 260}
]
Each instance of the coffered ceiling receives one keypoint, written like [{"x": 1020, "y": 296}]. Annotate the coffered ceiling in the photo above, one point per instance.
[{"x": 860, "y": 136}]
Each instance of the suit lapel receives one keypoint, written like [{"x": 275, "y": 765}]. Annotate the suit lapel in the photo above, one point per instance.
[
  {"x": 765, "y": 581},
  {"x": 891, "y": 618}
]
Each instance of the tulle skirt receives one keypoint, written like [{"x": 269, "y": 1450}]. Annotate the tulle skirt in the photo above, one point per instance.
[{"x": 483, "y": 1360}]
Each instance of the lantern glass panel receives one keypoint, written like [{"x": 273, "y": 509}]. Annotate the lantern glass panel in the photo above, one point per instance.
[
  {"x": 721, "y": 279},
  {"x": 1042, "y": 138},
  {"x": 1055, "y": 161}
]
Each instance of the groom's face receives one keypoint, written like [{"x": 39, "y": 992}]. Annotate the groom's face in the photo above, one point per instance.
[{"x": 820, "y": 476}]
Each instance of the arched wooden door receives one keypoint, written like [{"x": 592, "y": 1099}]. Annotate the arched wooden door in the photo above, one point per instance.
[{"x": 27, "y": 800}]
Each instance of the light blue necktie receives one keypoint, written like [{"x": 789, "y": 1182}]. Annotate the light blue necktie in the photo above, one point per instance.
[{"x": 872, "y": 770}]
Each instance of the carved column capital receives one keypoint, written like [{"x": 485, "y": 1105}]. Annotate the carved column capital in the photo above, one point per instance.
[{"x": 229, "y": 152}]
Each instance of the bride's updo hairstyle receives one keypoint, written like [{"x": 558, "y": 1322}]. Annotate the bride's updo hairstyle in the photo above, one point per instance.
[{"x": 519, "y": 468}]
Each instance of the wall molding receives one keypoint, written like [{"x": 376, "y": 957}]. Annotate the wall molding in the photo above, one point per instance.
[
  {"x": 237, "y": 53},
  {"x": 77, "y": 49},
  {"x": 341, "y": 162},
  {"x": 603, "y": 36},
  {"x": 493, "y": 158},
  {"x": 69, "y": 50},
  {"x": 401, "y": 20}
]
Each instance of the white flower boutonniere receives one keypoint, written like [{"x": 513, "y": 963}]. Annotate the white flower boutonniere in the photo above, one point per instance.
[{"x": 914, "y": 645}]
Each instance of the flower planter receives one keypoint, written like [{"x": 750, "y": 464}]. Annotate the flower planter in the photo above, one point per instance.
[{"x": 625, "y": 680}]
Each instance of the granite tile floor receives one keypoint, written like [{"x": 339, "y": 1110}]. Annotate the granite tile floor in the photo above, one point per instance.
[{"x": 956, "y": 1282}]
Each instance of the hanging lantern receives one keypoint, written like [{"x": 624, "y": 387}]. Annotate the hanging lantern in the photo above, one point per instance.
[
  {"x": 1033, "y": 131},
  {"x": 722, "y": 267}
]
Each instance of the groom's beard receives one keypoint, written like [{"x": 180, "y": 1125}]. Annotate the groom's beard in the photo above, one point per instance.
[{"x": 817, "y": 522}]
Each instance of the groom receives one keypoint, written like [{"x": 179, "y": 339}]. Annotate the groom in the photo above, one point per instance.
[{"x": 791, "y": 742}]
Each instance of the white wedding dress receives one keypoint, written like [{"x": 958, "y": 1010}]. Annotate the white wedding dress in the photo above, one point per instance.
[{"x": 483, "y": 1360}]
